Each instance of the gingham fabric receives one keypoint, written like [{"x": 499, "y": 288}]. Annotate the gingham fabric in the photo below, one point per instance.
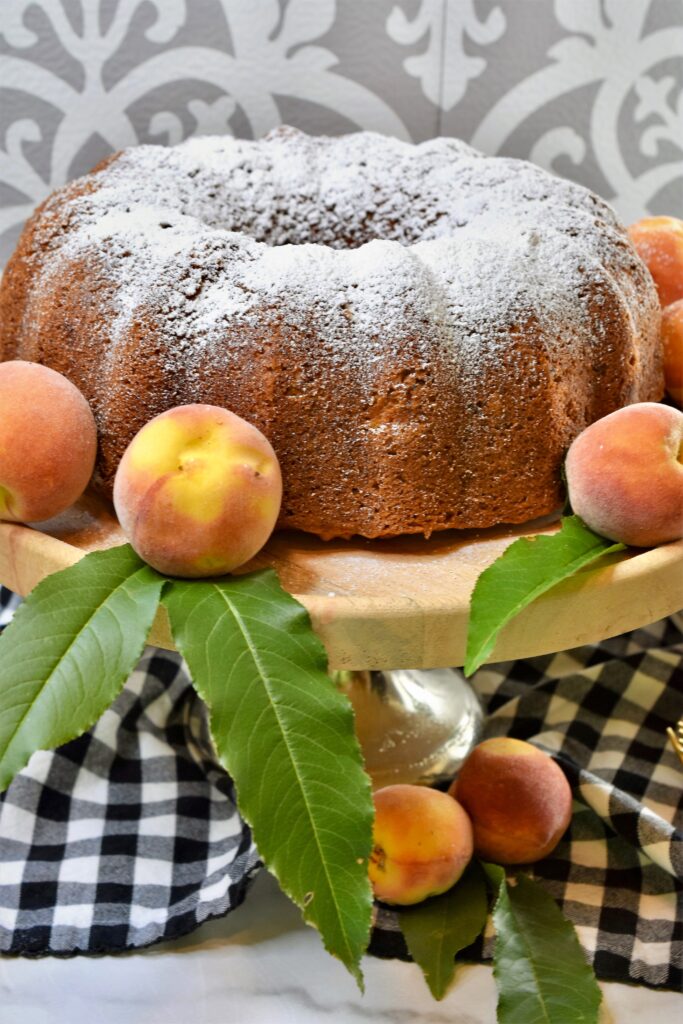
[
  {"x": 126, "y": 836},
  {"x": 602, "y": 712},
  {"x": 130, "y": 835}
]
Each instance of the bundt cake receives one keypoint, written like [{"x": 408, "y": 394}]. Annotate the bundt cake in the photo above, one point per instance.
[{"x": 420, "y": 330}]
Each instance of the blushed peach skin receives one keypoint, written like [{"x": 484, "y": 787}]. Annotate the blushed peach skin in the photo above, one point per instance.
[
  {"x": 659, "y": 243},
  {"x": 625, "y": 475},
  {"x": 422, "y": 843},
  {"x": 672, "y": 343},
  {"x": 48, "y": 442},
  {"x": 198, "y": 491},
  {"x": 518, "y": 800}
]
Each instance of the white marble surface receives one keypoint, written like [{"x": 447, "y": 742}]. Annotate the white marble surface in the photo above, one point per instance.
[{"x": 260, "y": 965}]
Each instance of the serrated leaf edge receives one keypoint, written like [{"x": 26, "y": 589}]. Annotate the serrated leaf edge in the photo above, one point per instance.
[
  {"x": 503, "y": 894},
  {"x": 66, "y": 737},
  {"x": 263, "y": 674},
  {"x": 474, "y": 661},
  {"x": 352, "y": 963}
]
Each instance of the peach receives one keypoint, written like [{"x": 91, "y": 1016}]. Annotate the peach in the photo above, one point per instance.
[
  {"x": 625, "y": 475},
  {"x": 518, "y": 799},
  {"x": 48, "y": 442},
  {"x": 659, "y": 243},
  {"x": 422, "y": 843},
  {"x": 672, "y": 343},
  {"x": 198, "y": 491}
]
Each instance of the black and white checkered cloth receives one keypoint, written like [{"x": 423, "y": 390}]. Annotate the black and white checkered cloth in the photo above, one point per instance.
[
  {"x": 130, "y": 834},
  {"x": 126, "y": 836},
  {"x": 602, "y": 712}
]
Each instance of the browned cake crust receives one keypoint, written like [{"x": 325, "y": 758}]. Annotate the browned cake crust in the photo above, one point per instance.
[{"x": 420, "y": 331}]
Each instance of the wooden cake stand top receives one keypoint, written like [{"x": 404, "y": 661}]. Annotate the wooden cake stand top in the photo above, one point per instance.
[{"x": 400, "y": 603}]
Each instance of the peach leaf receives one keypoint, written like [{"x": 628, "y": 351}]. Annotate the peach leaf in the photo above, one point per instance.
[
  {"x": 440, "y": 927},
  {"x": 69, "y": 649},
  {"x": 525, "y": 570},
  {"x": 286, "y": 736}
]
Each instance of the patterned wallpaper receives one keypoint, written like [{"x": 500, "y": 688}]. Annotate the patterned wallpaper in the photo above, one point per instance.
[{"x": 592, "y": 89}]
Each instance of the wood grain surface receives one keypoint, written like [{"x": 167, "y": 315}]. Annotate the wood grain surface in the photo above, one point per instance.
[{"x": 400, "y": 603}]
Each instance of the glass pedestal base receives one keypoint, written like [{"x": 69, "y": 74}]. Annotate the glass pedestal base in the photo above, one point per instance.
[{"x": 413, "y": 725}]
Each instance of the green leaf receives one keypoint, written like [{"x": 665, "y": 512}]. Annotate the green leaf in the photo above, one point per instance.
[
  {"x": 524, "y": 571},
  {"x": 286, "y": 736},
  {"x": 495, "y": 876},
  {"x": 69, "y": 649},
  {"x": 437, "y": 929},
  {"x": 539, "y": 967}
]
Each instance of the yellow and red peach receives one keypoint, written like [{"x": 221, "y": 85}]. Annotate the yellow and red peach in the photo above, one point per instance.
[
  {"x": 659, "y": 243},
  {"x": 625, "y": 475},
  {"x": 518, "y": 800},
  {"x": 198, "y": 491},
  {"x": 422, "y": 843},
  {"x": 48, "y": 442},
  {"x": 672, "y": 344}
]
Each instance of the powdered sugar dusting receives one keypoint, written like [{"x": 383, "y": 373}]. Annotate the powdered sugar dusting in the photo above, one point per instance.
[{"x": 372, "y": 237}]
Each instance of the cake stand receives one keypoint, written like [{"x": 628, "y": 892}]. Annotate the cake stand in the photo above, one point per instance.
[{"x": 392, "y": 615}]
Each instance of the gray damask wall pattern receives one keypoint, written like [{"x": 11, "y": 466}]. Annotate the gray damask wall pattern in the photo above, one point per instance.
[{"x": 592, "y": 89}]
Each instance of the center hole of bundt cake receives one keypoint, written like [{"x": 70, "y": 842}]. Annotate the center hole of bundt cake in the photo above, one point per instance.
[
  {"x": 326, "y": 227},
  {"x": 341, "y": 204},
  {"x": 320, "y": 220}
]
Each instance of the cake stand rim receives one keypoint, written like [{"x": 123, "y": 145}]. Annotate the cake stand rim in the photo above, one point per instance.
[{"x": 364, "y": 632}]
